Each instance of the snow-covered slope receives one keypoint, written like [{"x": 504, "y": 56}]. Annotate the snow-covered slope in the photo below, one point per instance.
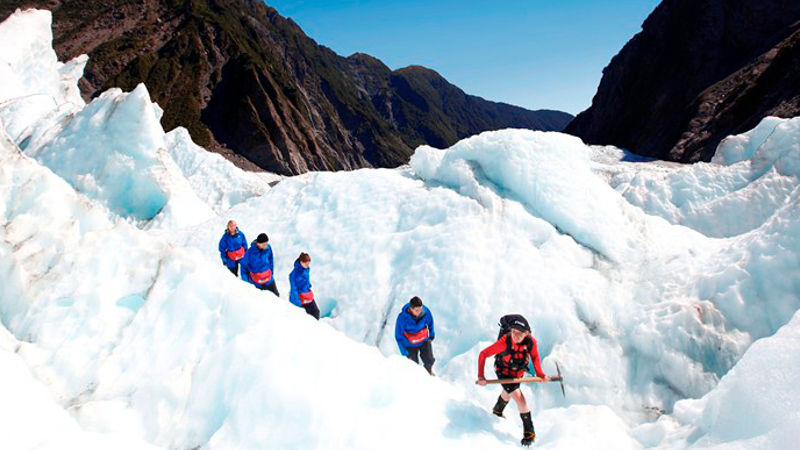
[
  {"x": 754, "y": 406},
  {"x": 647, "y": 281},
  {"x": 762, "y": 166}
]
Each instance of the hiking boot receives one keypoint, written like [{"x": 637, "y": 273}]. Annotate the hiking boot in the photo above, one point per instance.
[
  {"x": 528, "y": 434},
  {"x": 528, "y": 438}
]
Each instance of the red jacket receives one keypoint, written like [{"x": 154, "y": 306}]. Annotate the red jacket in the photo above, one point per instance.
[{"x": 500, "y": 346}]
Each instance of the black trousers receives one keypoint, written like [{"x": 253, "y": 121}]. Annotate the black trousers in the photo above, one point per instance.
[
  {"x": 272, "y": 287},
  {"x": 312, "y": 309},
  {"x": 235, "y": 269},
  {"x": 426, "y": 351}
]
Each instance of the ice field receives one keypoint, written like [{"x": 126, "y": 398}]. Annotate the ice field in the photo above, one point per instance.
[{"x": 667, "y": 293}]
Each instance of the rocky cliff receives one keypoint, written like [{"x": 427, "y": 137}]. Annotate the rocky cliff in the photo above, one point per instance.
[{"x": 698, "y": 71}]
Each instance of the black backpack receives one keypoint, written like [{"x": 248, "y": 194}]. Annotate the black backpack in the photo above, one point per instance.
[{"x": 507, "y": 320}]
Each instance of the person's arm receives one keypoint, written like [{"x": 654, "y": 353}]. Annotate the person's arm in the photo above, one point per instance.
[
  {"x": 294, "y": 297},
  {"x": 222, "y": 250},
  {"x": 491, "y": 350},
  {"x": 270, "y": 261},
  {"x": 431, "y": 331},
  {"x": 244, "y": 273},
  {"x": 402, "y": 342},
  {"x": 537, "y": 363}
]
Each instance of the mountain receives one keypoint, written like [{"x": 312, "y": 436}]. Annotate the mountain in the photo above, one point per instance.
[
  {"x": 243, "y": 79},
  {"x": 697, "y": 72}
]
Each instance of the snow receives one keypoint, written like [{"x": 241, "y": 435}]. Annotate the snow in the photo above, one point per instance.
[
  {"x": 27, "y": 406},
  {"x": 114, "y": 150},
  {"x": 29, "y": 65},
  {"x": 754, "y": 406},
  {"x": 34, "y": 82},
  {"x": 501, "y": 163},
  {"x": 759, "y": 173},
  {"x": 772, "y": 144},
  {"x": 213, "y": 178},
  {"x": 662, "y": 301}
]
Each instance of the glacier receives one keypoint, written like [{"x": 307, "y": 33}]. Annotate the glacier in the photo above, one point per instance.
[{"x": 667, "y": 293}]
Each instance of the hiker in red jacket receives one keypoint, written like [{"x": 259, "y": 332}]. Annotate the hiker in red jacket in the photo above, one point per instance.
[{"x": 511, "y": 352}]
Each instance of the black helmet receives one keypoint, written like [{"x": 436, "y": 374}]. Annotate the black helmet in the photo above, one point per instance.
[
  {"x": 519, "y": 323},
  {"x": 262, "y": 238}
]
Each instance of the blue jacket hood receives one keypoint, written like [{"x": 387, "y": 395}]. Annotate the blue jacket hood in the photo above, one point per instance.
[
  {"x": 425, "y": 312},
  {"x": 254, "y": 248}
]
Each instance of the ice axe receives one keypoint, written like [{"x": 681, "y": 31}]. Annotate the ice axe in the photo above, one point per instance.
[{"x": 558, "y": 378}]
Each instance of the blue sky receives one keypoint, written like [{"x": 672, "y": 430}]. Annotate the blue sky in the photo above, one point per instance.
[{"x": 535, "y": 53}]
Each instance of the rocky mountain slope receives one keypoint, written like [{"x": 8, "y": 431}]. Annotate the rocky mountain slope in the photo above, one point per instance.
[
  {"x": 697, "y": 72},
  {"x": 245, "y": 80}
]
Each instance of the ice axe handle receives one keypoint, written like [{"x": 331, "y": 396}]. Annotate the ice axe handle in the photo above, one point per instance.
[{"x": 522, "y": 380}]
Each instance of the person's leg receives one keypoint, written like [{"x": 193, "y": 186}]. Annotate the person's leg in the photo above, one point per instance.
[
  {"x": 413, "y": 354},
  {"x": 426, "y": 352},
  {"x": 528, "y": 433},
  {"x": 235, "y": 269},
  {"x": 312, "y": 309},
  {"x": 500, "y": 405},
  {"x": 519, "y": 399},
  {"x": 273, "y": 287}
]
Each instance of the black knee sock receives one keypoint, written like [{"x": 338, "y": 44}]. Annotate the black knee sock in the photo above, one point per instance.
[
  {"x": 499, "y": 406},
  {"x": 527, "y": 423}
]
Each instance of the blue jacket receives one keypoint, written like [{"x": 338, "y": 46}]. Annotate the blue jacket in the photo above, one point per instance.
[
  {"x": 257, "y": 261},
  {"x": 230, "y": 243},
  {"x": 406, "y": 323},
  {"x": 299, "y": 282}
]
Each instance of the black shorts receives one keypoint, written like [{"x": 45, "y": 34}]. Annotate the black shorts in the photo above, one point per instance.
[{"x": 511, "y": 387}]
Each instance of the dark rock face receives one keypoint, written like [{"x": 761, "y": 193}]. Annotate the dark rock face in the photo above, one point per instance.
[
  {"x": 698, "y": 71},
  {"x": 243, "y": 79}
]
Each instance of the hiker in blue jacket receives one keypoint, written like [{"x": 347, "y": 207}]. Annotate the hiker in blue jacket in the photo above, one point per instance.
[
  {"x": 300, "y": 293},
  {"x": 414, "y": 333},
  {"x": 258, "y": 266},
  {"x": 232, "y": 247}
]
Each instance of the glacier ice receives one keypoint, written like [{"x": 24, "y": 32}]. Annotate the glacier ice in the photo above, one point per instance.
[{"x": 662, "y": 301}]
